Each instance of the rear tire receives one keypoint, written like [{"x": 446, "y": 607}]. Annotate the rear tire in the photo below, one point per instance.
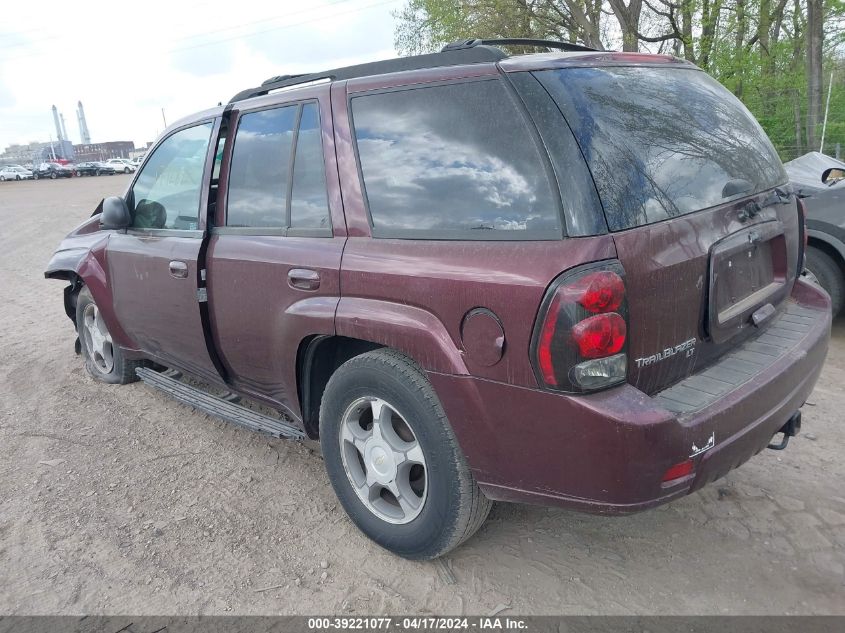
[
  {"x": 104, "y": 360},
  {"x": 829, "y": 274},
  {"x": 441, "y": 505}
]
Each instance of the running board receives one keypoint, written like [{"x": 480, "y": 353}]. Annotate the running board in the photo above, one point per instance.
[{"x": 218, "y": 407}]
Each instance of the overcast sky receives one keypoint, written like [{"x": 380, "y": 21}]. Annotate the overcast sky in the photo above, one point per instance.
[{"x": 127, "y": 60}]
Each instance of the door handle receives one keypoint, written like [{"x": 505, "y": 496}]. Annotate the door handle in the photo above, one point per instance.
[
  {"x": 178, "y": 269},
  {"x": 303, "y": 279}
]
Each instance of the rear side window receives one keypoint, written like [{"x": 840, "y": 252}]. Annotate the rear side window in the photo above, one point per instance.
[
  {"x": 453, "y": 161},
  {"x": 308, "y": 204},
  {"x": 277, "y": 179},
  {"x": 258, "y": 179},
  {"x": 662, "y": 142}
]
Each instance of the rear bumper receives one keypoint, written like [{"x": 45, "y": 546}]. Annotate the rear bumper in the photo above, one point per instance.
[{"x": 607, "y": 452}]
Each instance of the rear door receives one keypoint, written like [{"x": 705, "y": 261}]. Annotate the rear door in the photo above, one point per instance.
[
  {"x": 689, "y": 186},
  {"x": 153, "y": 265},
  {"x": 274, "y": 256}
]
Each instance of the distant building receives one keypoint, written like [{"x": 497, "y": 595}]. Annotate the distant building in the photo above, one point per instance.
[
  {"x": 140, "y": 152},
  {"x": 61, "y": 151},
  {"x": 103, "y": 151},
  {"x": 65, "y": 151}
]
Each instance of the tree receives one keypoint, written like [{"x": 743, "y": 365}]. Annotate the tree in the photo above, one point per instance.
[
  {"x": 815, "y": 40},
  {"x": 775, "y": 55}
]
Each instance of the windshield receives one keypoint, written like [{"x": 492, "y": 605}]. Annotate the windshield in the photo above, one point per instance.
[{"x": 661, "y": 142}]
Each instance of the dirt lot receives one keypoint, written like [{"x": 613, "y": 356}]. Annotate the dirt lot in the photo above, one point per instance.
[{"x": 118, "y": 500}]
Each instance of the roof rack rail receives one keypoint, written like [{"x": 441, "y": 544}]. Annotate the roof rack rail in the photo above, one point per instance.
[
  {"x": 467, "y": 55},
  {"x": 278, "y": 78},
  {"x": 515, "y": 41}
]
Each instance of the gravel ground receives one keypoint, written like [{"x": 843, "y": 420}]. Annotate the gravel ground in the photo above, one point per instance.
[{"x": 118, "y": 500}]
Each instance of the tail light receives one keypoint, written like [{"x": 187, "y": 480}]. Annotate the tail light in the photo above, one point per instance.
[
  {"x": 580, "y": 341},
  {"x": 678, "y": 471}
]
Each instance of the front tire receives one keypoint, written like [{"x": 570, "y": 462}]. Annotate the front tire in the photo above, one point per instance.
[
  {"x": 104, "y": 360},
  {"x": 393, "y": 459},
  {"x": 829, "y": 275}
]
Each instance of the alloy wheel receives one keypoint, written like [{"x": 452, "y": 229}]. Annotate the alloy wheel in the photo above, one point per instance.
[
  {"x": 97, "y": 339},
  {"x": 383, "y": 460}
]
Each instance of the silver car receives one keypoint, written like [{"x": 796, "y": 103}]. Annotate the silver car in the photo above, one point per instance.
[
  {"x": 15, "y": 172},
  {"x": 121, "y": 165}
]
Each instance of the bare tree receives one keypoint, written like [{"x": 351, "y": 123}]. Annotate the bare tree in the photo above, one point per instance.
[
  {"x": 628, "y": 17},
  {"x": 815, "y": 41}
]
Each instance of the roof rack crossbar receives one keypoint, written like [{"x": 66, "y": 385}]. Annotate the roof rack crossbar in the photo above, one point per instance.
[
  {"x": 467, "y": 55},
  {"x": 516, "y": 41}
]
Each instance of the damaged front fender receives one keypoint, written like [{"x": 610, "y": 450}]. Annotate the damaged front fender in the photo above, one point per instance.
[{"x": 81, "y": 260}]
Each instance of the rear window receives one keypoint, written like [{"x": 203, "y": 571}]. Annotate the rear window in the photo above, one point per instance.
[
  {"x": 453, "y": 161},
  {"x": 661, "y": 142}
]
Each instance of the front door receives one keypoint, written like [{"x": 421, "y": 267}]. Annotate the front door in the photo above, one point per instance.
[
  {"x": 153, "y": 266},
  {"x": 274, "y": 257}
]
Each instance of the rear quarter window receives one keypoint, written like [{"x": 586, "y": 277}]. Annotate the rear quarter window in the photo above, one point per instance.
[
  {"x": 661, "y": 143},
  {"x": 453, "y": 161}
]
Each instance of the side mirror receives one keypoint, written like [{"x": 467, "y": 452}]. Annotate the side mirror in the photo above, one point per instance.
[
  {"x": 832, "y": 175},
  {"x": 115, "y": 214}
]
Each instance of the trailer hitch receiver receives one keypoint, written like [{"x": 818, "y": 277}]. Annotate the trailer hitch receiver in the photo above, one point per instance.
[{"x": 790, "y": 429}]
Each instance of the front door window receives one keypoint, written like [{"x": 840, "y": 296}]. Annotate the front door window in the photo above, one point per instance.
[{"x": 166, "y": 194}]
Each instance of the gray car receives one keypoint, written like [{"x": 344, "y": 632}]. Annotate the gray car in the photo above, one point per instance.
[
  {"x": 820, "y": 180},
  {"x": 15, "y": 172}
]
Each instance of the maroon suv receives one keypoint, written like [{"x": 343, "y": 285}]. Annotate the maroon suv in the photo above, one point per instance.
[{"x": 569, "y": 279}]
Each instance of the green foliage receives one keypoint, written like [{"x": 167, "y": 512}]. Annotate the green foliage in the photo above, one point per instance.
[{"x": 767, "y": 68}]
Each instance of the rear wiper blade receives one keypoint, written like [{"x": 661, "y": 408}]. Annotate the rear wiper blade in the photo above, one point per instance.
[{"x": 779, "y": 195}]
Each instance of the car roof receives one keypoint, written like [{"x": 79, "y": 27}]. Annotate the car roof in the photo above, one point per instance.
[{"x": 483, "y": 56}]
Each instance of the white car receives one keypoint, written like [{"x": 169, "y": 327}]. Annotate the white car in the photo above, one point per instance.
[
  {"x": 15, "y": 172},
  {"x": 137, "y": 161},
  {"x": 121, "y": 164}
]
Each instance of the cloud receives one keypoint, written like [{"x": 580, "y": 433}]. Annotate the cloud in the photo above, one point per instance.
[
  {"x": 128, "y": 65},
  {"x": 204, "y": 61},
  {"x": 7, "y": 99}
]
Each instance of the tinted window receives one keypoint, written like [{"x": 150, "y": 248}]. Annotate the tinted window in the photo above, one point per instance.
[
  {"x": 166, "y": 194},
  {"x": 662, "y": 142},
  {"x": 452, "y": 158},
  {"x": 308, "y": 204},
  {"x": 258, "y": 179}
]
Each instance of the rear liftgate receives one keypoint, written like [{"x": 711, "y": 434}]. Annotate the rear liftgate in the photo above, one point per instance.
[{"x": 217, "y": 406}]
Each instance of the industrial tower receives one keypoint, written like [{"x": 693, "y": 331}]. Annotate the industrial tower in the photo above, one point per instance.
[{"x": 83, "y": 125}]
